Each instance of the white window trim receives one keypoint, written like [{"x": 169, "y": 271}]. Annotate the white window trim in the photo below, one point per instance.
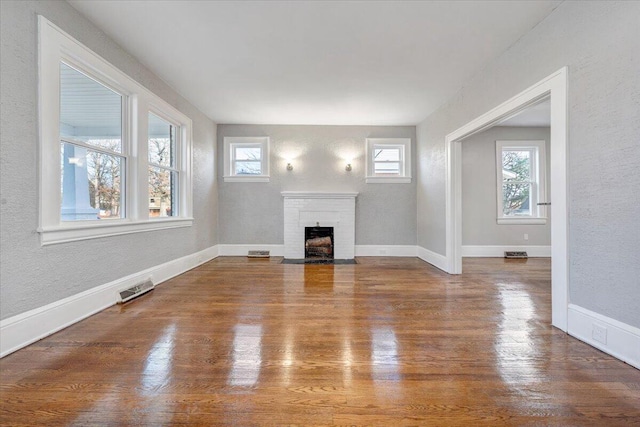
[
  {"x": 229, "y": 141},
  {"x": 405, "y": 165},
  {"x": 539, "y": 166},
  {"x": 56, "y": 46}
]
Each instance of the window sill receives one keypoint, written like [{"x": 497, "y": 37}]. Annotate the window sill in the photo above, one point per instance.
[
  {"x": 388, "y": 180},
  {"x": 93, "y": 229},
  {"x": 522, "y": 221},
  {"x": 253, "y": 178}
]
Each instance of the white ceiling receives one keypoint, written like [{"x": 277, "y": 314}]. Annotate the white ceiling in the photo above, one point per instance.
[{"x": 334, "y": 62}]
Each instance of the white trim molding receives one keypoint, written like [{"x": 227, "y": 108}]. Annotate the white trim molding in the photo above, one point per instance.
[
  {"x": 387, "y": 250},
  {"x": 360, "y": 250},
  {"x": 23, "y": 329},
  {"x": 555, "y": 87},
  {"x": 317, "y": 195},
  {"x": 497, "y": 251},
  {"x": 230, "y": 144},
  {"x": 521, "y": 221},
  {"x": 55, "y": 47},
  {"x": 537, "y": 181},
  {"x": 405, "y": 160},
  {"x": 435, "y": 259},
  {"x": 618, "y": 339},
  {"x": 90, "y": 229}
]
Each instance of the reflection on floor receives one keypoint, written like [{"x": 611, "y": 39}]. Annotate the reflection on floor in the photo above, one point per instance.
[{"x": 388, "y": 341}]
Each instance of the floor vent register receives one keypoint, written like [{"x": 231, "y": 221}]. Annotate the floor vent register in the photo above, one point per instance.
[{"x": 515, "y": 255}]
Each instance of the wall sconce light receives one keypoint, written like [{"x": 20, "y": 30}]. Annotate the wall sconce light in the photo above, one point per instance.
[
  {"x": 289, "y": 167},
  {"x": 348, "y": 167}
]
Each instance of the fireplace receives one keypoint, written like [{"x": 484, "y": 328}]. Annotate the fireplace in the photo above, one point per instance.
[
  {"x": 308, "y": 209},
  {"x": 318, "y": 242}
]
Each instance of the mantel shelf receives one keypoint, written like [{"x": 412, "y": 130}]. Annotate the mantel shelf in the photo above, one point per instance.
[{"x": 318, "y": 195}]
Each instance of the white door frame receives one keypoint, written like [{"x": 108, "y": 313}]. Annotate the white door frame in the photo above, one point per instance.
[{"x": 554, "y": 86}]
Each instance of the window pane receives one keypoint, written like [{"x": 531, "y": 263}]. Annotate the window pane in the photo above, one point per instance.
[
  {"x": 516, "y": 199},
  {"x": 89, "y": 111},
  {"x": 247, "y": 168},
  {"x": 516, "y": 165},
  {"x": 162, "y": 192},
  {"x": 386, "y": 154},
  {"x": 386, "y": 168},
  {"x": 91, "y": 184},
  {"x": 162, "y": 142},
  {"x": 247, "y": 153}
]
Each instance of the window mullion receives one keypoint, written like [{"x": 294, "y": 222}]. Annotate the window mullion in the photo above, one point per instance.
[
  {"x": 125, "y": 121},
  {"x": 140, "y": 146}
]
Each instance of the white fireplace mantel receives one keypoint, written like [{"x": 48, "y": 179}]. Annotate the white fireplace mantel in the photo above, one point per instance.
[
  {"x": 325, "y": 209},
  {"x": 317, "y": 195}
]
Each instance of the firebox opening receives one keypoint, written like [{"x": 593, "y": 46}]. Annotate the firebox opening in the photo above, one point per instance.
[{"x": 318, "y": 242}]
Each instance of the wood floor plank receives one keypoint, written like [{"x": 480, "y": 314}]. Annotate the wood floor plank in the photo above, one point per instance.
[{"x": 386, "y": 342}]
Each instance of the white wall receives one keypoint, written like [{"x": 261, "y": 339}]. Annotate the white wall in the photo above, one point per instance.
[
  {"x": 252, "y": 213},
  {"x": 599, "y": 43},
  {"x": 33, "y": 276},
  {"x": 479, "y": 191}
]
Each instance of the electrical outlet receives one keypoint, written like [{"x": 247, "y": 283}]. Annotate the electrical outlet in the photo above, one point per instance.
[
  {"x": 599, "y": 333},
  {"x": 526, "y": 237}
]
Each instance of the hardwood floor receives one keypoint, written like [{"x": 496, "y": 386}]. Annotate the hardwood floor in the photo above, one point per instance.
[{"x": 388, "y": 342}]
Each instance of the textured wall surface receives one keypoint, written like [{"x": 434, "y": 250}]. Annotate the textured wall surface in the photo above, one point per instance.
[
  {"x": 31, "y": 275},
  {"x": 479, "y": 191},
  {"x": 599, "y": 42},
  {"x": 252, "y": 213}
]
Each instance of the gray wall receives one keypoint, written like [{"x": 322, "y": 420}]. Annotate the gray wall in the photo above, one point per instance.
[
  {"x": 599, "y": 42},
  {"x": 31, "y": 275},
  {"x": 479, "y": 192},
  {"x": 252, "y": 213}
]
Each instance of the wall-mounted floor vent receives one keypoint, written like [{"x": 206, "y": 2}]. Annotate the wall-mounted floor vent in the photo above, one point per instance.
[
  {"x": 514, "y": 254},
  {"x": 136, "y": 291},
  {"x": 258, "y": 254}
]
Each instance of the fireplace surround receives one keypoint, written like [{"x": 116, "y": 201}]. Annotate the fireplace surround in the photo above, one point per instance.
[{"x": 304, "y": 209}]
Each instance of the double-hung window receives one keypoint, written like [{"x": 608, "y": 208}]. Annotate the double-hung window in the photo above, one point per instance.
[
  {"x": 164, "y": 171},
  {"x": 246, "y": 159},
  {"x": 113, "y": 156},
  {"x": 388, "y": 160},
  {"x": 92, "y": 152},
  {"x": 521, "y": 184}
]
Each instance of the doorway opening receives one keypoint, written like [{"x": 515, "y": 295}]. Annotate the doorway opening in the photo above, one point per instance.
[
  {"x": 505, "y": 176},
  {"x": 553, "y": 87}
]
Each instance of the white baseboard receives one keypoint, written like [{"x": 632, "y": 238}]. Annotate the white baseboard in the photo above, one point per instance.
[
  {"x": 243, "y": 250},
  {"x": 386, "y": 250},
  {"x": 621, "y": 341},
  {"x": 437, "y": 260},
  {"x": 490, "y": 251},
  {"x": 23, "y": 329},
  {"x": 360, "y": 250}
]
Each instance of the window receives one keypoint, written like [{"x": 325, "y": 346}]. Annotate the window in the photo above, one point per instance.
[
  {"x": 388, "y": 160},
  {"x": 91, "y": 148},
  {"x": 164, "y": 174},
  {"x": 521, "y": 182},
  {"x": 246, "y": 159},
  {"x": 103, "y": 138}
]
